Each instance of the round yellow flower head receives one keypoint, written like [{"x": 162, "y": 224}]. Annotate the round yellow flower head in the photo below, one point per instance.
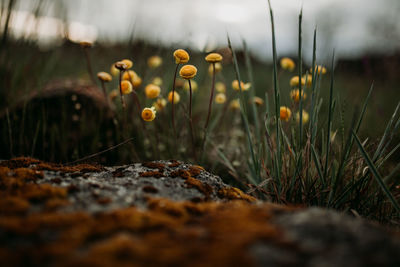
[
  {"x": 287, "y": 64},
  {"x": 129, "y": 75},
  {"x": 114, "y": 71},
  {"x": 85, "y": 44},
  {"x": 220, "y": 87},
  {"x": 305, "y": 118},
  {"x": 194, "y": 85},
  {"x": 218, "y": 68},
  {"x": 149, "y": 114},
  {"x": 154, "y": 62},
  {"x": 152, "y": 91},
  {"x": 294, "y": 82},
  {"x": 113, "y": 94},
  {"x": 319, "y": 69},
  {"x": 157, "y": 81},
  {"x": 188, "y": 72},
  {"x": 235, "y": 104},
  {"x": 213, "y": 58},
  {"x": 308, "y": 79},
  {"x": 104, "y": 76},
  {"x": 295, "y": 95},
  {"x": 285, "y": 113},
  {"x": 180, "y": 83},
  {"x": 160, "y": 104},
  {"x": 245, "y": 86},
  {"x": 181, "y": 56},
  {"x": 126, "y": 87},
  {"x": 128, "y": 63},
  {"x": 258, "y": 101},
  {"x": 176, "y": 97},
  {"x": 220, "y": 98},
  {"x": 137, "y": 81},
  {"x": 121, "y": 65}
]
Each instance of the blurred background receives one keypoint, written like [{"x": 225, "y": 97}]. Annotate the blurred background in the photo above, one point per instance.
[{"x": 40, "y": 51}]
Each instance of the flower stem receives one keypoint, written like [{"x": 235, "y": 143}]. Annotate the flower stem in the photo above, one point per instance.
[
  {"x": 173, "y": 97},
  {"x": 89, "y": 65},
  {"x": 211, "y": 98},
  {"x": 120, "y": 90},
  {"x": 103, "y": 86},
  {"x": 191, "y": 121}
]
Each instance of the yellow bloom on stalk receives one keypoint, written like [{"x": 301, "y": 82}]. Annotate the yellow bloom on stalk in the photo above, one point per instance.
[
  {"x": 319, "y": 69},
  {"x": 160, "y": 104},
  {"x": 149, "y": 114},
  {"x": 245, "y": 86},
  {"x": 154, "y": 62},
  {"x": 188, "y": 72},
  {"x": 285, "y": 113},
  {"x": 113, "y": 94},
  {"x": 132, "y": 76},
  {"x": 305, "y": 117},
  {"x": 287, "y": 64},
  {"x": 294, "y": 82},
  {"x": 295, "y": 95},
  {"x": 104, "y": 76},
  {"x": 152, "y": 91},
  {"x": 220, "y": 87},
  {"x": 213, "y": 57},
  {"x": 258, "y": 101},
  {"x": 128, "y": 63},
  {"x": 176, "y": 97},
  {"x": 181, "y": 56},
  {"x": 218, "y": 68},
  {"x": 308, "y": 79},
  {"x": 220, "y": 98},
  {"x": 137, "y": 81},
  {"x": 235, "y": 104},
  {"x": 194, "y": 85},
  {"x": 114, "y": 71},
  {"x": 126, "y": 87},
  {"x": 157, "y": 81},
  {"x": 121, "y": 66},
  {"x": 85, "y": 44}
]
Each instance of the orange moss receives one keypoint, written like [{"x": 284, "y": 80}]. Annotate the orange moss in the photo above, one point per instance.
[
  {"x": 154, "y": 165},
  {"x": 204, "y": 188},
  {"x": 12, "y": 204},
  {"x": 195, "y": 170},
  {"x": 181, "y": 173},
  {"x": 156, "y": 174},
  {"x": 38, "y": 192},
  {"x": 55, "y": 203},
  {"x": 235, "y": 193},
  {"x": 174, "y": 163}
]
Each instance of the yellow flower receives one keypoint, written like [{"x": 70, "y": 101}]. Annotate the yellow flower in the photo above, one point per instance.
[
  {"x": 213, "y": 58},
  {"x": 235, "y": 104},
  {"x": 113, "y": 94},
  {"x": 128, "y": 63},
  {"x": 220, "y": 98},
  {"x": 245, "y": 86},
  {"x": 157, "y": 81},
  {"x": 295, "y": 95},
  {"x": 287, "y": 64},
  {"x": 137, "y": 81},
  {"x": 194, "y": 85},
  {"x": 152, "y": 91},
  {"x": 188, "y": 72},
  {"x": 121, "y": 65},
  {"x": 126, "y": 87},
  {"x": 85, "y": 44},
  {"x": 320, "y": 69},
  {"x": 218, "y": 68},
  {"x": 220, "y": 87},
  {"x": 305, "y": 117},
  {"x": 258, "y": 101},
  {"x": 149, "y": 114},
  {"x": 104, "y": 76},
  {"x": 181, "y": 56},
  {"x": 154, "y": 62},
  {"x": 132, "y": 76},
  {"x": 308, "y": 79},
  {"x": 176, "y": 97},
  {"x": 285, "y": 113},
  {"x": 160, "y": 104},
  {"x": 114, "y": 71},
  {"x": 295, "y": 81}
]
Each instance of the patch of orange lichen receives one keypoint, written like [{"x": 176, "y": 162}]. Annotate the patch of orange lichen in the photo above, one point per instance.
[
  {"x": 234, "y": 193},
  {"x": 154, "y": 165},
  {"x": 156, "y": 174}
]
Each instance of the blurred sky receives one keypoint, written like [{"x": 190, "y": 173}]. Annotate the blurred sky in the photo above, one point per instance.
[{"x": 351, "y": 27}]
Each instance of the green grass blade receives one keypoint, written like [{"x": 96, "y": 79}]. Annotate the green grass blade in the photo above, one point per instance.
[{"x": 317, "y": 164}]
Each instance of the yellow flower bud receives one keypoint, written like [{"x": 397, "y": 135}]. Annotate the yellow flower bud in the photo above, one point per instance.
[
  {"x": 213, "y": 58},
  {"x": 152, "y": 91},
  {"x": 258, "y": 101},
  {"x": 188, "y": 72},
  {"x": 193, "y": 83},
  {"x": 308, "y": 79},
  {"x": 319, "y": 69},
  {"x": 85, "y": 44},
  {"x": 154, "y": 62},
  {"x": 220, "y": 87},
  {"x": 285, "y": 113},
  {"x": 220, "y": 98},
  {"x": 305, "y": 117},
  {"x": 104, "y": 76},
  {"x": 176, "y": 97},
  {"x": 126, "y": 87},
  {"x": 114, "y": 71},
  {"x": 128, "y": 63},
  {"x": 181, "y": 56},
  {"x": 121, "y": 65},
  {"x": 295, "y": 95},
  {"x": 149, "y": 114},
  {"x": 294, "y": 82},
  {"x": 218, "y": 68},
  {"x": 160, "y": 104},
  {"x": 157, "y": 81},
  {"x": 245, "y": 86},
  {"x": 287, "y": 64},
  {"x": 235, "y": 104}
]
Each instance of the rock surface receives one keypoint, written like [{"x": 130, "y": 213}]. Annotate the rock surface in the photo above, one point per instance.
[{"x": 168, "y": 213}]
